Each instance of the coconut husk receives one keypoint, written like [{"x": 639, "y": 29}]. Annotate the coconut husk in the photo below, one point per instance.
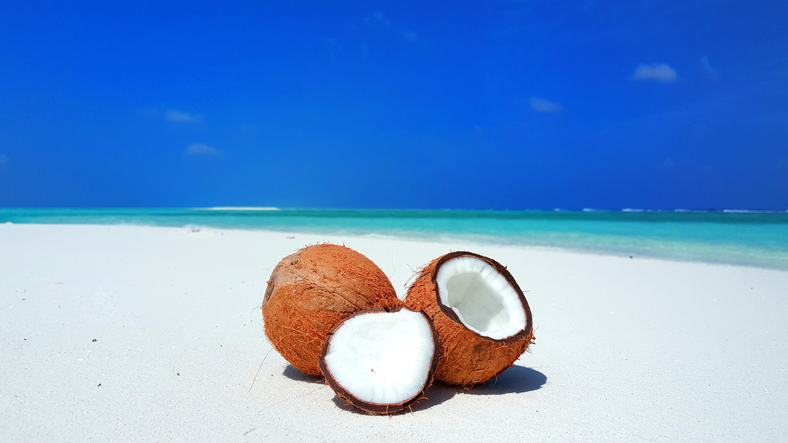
[
  {"x": 312, "y": 290},
  {"x": 466, "y": 358}
]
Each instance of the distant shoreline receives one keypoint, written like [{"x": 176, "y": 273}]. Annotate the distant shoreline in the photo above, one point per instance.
[
  {"x": 240, "y": 208},
  {"x": 745, "y": 238}
]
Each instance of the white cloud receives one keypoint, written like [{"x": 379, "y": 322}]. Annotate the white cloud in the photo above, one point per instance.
[
  {"x": 660, "y": 72},
  {"x": 542, "y": 105},
  {"x": 181, "y": 117},
  {"x": 201, "y": 149}
]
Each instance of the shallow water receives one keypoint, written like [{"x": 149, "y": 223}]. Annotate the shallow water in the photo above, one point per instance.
[{"x": 746, "y": 238}]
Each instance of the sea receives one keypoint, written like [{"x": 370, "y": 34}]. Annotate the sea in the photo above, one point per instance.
[{"x": 757, "y": 239}]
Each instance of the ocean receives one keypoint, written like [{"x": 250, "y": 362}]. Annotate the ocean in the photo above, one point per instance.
[{"x": 740, "y": 238}]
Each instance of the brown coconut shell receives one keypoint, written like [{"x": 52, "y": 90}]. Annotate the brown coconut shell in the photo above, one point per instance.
[
  {"x": 466, "y": 358},
  {"x": 312, "y": 290},
  {"x": 376, "y": 408}
]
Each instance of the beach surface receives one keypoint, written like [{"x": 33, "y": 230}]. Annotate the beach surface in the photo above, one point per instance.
[{"x": 131, "y": 333}]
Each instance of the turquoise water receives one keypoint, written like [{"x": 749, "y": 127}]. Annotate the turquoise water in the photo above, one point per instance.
[{"x": 755, "y": 239}]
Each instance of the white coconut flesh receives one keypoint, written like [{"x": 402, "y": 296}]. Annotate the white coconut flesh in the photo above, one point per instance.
[
  {"x": 481, "y": 297},
  {"x": 382, "y": 357}
]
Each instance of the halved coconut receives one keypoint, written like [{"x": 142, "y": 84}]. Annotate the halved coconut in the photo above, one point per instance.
[
  {"x": 381, "y": 361},
  {"x": 312, "y": 290},
  {"x": 480, "y": 313}
]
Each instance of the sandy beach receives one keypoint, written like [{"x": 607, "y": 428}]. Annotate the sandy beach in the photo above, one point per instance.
[{"x": 129, "y": 333}]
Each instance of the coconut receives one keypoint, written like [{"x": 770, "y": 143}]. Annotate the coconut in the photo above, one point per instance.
[
  {"x": 312, "y": 290},
  {"x": 381, "y": 361},
  {"x": 480, "y": 313}
]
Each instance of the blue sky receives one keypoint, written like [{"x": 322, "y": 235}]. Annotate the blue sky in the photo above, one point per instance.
[{"x": 486, "y": 105}]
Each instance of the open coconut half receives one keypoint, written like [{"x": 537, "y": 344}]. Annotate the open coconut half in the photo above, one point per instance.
[
  {"x": 480, "y": 313},
  {"x": 381, "y": 361},
  {"x": 311, "y": 290}
]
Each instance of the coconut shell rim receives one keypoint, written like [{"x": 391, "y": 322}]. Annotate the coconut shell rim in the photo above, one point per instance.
[
  {"x": 501, "y": 269},
  {"x": 378, "y": 408}
]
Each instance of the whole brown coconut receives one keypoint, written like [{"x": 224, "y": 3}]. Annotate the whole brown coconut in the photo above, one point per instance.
[
  {"x": 313, "y": 289},
  {"x": 481, "y": 316}
]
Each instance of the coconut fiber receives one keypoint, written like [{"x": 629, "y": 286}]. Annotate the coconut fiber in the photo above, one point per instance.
[{"x": 312, "y": 290}]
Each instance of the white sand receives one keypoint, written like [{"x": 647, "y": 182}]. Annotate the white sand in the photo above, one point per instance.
[{"x": 627, "y": 349}]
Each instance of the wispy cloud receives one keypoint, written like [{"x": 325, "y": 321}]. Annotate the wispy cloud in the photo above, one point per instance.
[
  {"x": 542, "y": 105},
  {"x": 680, "y": 163},
  {"x": 660, "y": 72},
  {"x": 201, "y": 149},
  {"x": 381, "y": 22},
  {"x": 150, "y": 111},
  {"x": 711, "y": 73},
  {"x": 668, "y": 163},
  {"x": 331, "y": 46},
  {"x": 410, "y": 35},
  {"x": 377, "y": 19},
  {"x": 181, "y": 117}
]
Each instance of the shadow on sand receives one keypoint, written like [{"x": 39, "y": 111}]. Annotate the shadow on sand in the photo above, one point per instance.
[
  {"x": 294, "y": 374},
  {"x": 514, "y": 380}
]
